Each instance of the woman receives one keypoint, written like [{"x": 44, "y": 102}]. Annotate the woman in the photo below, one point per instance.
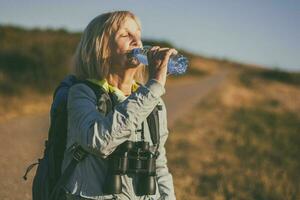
[{"x": 102, "y": 58}]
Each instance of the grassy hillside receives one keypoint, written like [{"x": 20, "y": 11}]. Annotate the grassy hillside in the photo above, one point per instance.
[
  {"x": 38, "y": 59},
  {"x": 242, "y": 142},
  {"x": 34, "y": 59}
]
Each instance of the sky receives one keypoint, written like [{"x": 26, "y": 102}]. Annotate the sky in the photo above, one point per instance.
[{"x": 262, "y": 32}]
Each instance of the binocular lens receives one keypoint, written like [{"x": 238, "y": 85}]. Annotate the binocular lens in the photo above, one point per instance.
[
  {"x": 113, "y": 184},
  {"x": 146, "y": 185}
]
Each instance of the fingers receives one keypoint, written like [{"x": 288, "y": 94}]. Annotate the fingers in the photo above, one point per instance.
[
  {"x": 158, "y": 59},
  {"x": 167, "y": 55},
  {"x": 158, "y": 53},
  {"x": 155, "y": 47},
  {"x": 152, "y": 52}
]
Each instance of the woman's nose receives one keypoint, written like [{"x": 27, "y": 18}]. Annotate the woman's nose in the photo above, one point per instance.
[{"x": 137, "y": 42}]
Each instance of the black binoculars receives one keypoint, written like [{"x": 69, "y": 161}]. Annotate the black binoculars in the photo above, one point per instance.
[{"x": 132, "y": 158}]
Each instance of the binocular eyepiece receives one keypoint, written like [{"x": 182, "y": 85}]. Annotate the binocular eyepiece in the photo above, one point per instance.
[{"x": 132, "y": 158}]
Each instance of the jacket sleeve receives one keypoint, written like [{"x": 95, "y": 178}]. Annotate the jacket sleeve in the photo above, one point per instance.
[
  {"x": 100, "y": 134},
  {"x": 164, "y": 177}
]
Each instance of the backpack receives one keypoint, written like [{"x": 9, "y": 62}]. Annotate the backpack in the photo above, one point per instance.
[{"x": 48, "y": 180}]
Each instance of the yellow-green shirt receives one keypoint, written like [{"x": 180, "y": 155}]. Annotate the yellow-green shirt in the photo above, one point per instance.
[{"x": 114, "y": 90}]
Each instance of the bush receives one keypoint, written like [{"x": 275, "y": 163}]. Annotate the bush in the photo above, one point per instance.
[{"x": 291, "y": 78}]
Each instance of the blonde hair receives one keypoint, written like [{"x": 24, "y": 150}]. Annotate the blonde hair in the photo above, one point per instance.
[{"x": 93, "y": 53}]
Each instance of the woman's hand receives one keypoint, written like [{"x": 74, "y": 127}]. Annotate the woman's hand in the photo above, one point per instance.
[{"x": 158, "y": 63}]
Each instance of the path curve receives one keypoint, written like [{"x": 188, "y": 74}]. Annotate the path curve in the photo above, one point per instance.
[{"x": 181, "y": 97}]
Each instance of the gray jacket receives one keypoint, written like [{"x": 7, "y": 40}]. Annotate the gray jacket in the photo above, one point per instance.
[{"x": 100, "y": 135}]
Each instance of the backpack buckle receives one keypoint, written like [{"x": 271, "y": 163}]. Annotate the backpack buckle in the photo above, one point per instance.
[{"x": 79, "y": 153}]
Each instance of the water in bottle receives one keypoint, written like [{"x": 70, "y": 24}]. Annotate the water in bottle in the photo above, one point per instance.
[{"x": 177, "y": 63}]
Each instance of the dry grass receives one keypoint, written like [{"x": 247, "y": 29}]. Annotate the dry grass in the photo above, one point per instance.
[
  {"x": 208, "y": 66},
  {"x": 240, "y": 143},
  {"x": 26, "y": 104}
]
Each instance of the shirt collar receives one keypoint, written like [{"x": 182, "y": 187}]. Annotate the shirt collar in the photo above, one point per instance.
[{"x": 111, "y": 89}]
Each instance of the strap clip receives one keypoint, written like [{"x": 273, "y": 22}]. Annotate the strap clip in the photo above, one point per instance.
[{"x": 78, "y": 153}]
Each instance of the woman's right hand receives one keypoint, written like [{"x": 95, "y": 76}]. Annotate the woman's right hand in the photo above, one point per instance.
[{"x": 158, "y": 63}]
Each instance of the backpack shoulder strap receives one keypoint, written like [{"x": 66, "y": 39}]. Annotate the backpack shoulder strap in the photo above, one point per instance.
[
  {"x": 153, "y": 123},
  {"x": 78, "y": 155},
  {"x": 104, "y": 102}
]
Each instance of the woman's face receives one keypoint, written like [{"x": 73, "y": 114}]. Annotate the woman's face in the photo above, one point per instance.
[{"x": 125, "y": 39}]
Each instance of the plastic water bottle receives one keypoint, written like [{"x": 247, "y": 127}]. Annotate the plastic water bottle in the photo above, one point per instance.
[{"x": 177, "y": 63}]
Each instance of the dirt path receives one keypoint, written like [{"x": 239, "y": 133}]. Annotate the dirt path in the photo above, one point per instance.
[
  {"x": 21, "y": 139},
  {"x": 182, "y": 96}
]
